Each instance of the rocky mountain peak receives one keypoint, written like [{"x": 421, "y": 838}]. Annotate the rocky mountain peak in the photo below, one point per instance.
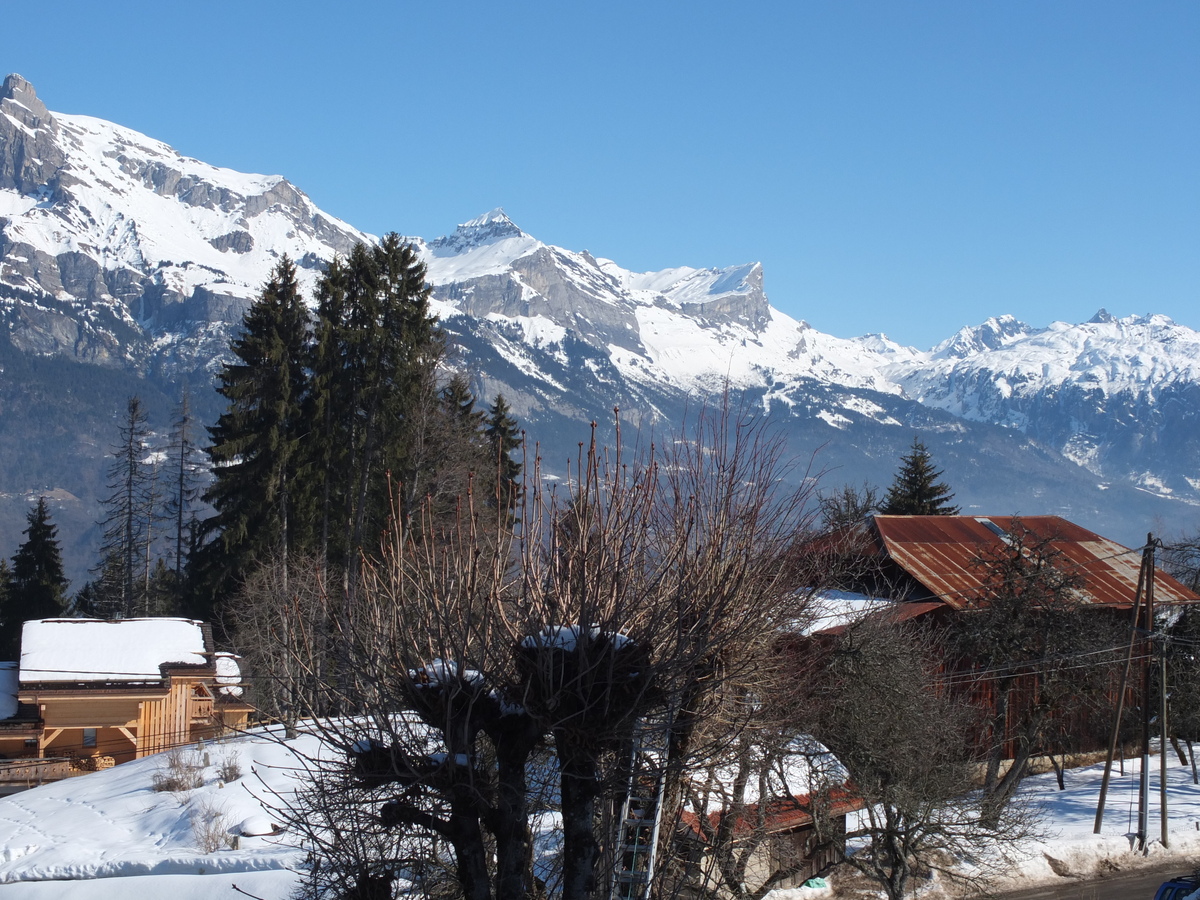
[
  {"x": 30, "y": 157},
  {"x": 19, "y": 100},
  {"x": 991, "y": 335},
  {"x": 491, "y": 226}
]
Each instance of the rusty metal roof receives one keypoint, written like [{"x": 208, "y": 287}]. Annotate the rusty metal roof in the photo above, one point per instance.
[{"x": 940, "y": 553}]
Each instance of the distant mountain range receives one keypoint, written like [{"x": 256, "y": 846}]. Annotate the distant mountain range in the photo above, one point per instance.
[{"x": 125, "y": 266}]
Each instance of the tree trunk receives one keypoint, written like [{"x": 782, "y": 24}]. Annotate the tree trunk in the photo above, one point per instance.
[
  {"x": 470, "y": 852},
  {"x": 1058, "y": 771},
  {"x": 578, "y": 788},
  {"x": 514, "y": 840},
  {"x": 1183, "y": 760}
]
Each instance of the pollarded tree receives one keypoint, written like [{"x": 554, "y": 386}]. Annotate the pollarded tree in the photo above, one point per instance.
[
  {"x": 916, "y": 490},
  {"x": 646, "y": 587},
  {"x": 257, "y": 485},
  {"x": 37, "y": 588}
]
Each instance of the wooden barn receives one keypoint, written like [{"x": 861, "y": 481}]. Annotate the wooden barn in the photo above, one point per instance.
[{"x": 929, "y": 568}]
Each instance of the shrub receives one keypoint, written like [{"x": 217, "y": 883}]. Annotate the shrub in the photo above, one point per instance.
[
  {"x": 229, "y": 769},
  {"x": 181, "y": 771},
  {"x": 210, "y": 826}
]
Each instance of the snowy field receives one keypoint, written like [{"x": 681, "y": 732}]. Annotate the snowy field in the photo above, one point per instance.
[{"x": 110, "y": 836}]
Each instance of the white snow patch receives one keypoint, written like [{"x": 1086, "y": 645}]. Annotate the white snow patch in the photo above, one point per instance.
[
  {"x": 97, "y": 650},
  {"x": 566, "y": 637}
]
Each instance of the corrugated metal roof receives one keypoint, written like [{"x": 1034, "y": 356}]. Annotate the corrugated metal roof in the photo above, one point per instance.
[{"x": 940, "y": 553}]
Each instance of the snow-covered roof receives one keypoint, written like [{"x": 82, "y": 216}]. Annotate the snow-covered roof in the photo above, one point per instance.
[
  {"x": 8, "y": 690},
  {"x": 836, "y": 608},
  {"x": 74, "y": 650}
]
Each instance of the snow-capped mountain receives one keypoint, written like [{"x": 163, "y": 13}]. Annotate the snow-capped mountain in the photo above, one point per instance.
[
  {"x": 1120, "y": 397},
  {"x": 119, "y": 252},
  {"x": 106, "y": 231}
]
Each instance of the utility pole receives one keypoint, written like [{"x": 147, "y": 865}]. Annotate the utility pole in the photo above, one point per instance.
[
  {"x": 1116, "y": 728},
  {"x": 1152, "y": 644},
  {"x": 1161, "y": 643}
]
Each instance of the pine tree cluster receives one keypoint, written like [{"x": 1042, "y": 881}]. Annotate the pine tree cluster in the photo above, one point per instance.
[{"x": 338, "y": 425}]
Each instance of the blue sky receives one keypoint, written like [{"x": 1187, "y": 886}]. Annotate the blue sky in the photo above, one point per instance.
[{"x": 900, "y": 167}]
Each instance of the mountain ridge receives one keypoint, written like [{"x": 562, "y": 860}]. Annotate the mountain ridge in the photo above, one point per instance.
[{"x": 118, "y": 251}]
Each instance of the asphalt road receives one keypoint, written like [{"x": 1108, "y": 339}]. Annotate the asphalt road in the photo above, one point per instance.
[{"x": 1139, "y": 885}]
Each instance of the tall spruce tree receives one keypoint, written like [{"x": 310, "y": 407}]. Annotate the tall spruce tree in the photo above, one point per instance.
[
  {"x": 38, "y": 586},
  {"x": 916, "y": 490},
  {"x": 258, "y": 483},
  {"x": 504, "y": 438},
  {"x": 377, "y": 352},
  {"x": 5, "y": 584},
  {"x": 183, "y": 463}
]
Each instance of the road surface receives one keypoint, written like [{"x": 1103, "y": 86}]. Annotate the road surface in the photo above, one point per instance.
[{"x": 1139, "y": 885}]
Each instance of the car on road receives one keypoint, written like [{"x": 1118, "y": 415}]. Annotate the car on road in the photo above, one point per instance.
[{"x": 1179, "y": 888}]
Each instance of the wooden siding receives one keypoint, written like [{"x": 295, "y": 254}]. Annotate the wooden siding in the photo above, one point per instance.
[
  {"x": 167, "y": 722},
  {"x": 89, "y": 712}
]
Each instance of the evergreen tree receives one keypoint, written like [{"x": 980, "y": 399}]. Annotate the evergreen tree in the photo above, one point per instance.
[
  {"x": 37, "y": 587},
  {"x": 334, "y": 425},
  {"x": 183, "y": 464},
  {"x": 916, "y": 490},
  {"x": 504, "y": 437},
  {"x": 257, "y": 469},
  {"x": 129, "y": 514},
  {"x": 459, "y": 403},
  {"x": 5, "y": 583},
  {"x": 88, "y": 602},
  {"x": 377, "y": 352}
]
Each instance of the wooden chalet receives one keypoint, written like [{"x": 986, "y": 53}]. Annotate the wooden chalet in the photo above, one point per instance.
[
  {"x": 99, "y": 692},
  {"x": 930, "y": 568}
]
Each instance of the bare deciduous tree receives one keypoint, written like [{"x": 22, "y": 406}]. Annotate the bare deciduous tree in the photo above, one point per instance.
[
  {"x": 647, "y": 586},
  {"x": 880, "y": 708},
  {"x": 282, "y": 622}
]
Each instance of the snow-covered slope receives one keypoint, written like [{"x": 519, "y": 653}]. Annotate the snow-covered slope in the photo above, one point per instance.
[
  {"x": 109, "y": 836},
  {"x": 113, "y": 831}
]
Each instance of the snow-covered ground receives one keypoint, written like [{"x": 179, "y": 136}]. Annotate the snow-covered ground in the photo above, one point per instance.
[{"x": 110, "y": 836}]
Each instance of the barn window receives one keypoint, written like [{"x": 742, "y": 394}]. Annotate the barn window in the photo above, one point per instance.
[{"x": 89, "y": 737}]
